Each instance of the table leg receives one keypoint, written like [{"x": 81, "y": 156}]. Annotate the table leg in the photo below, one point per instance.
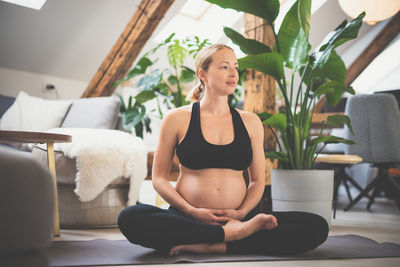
[
  {"x": 159, "y": 201},
  {"x": 52, "y": 168}
]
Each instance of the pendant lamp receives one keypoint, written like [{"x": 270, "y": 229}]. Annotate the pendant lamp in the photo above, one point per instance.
[{"x": 376, "y": 10}]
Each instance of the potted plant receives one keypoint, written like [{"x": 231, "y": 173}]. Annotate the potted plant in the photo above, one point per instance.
[
  {"x": 165, "y": 86},
  {"x": 322, "y": 73}
]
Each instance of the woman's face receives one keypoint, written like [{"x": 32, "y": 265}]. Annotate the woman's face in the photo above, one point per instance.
[{"x": 222, "y": 75}]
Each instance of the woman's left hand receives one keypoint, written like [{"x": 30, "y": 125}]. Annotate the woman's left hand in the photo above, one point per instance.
[{"x": 232, "y": 213}]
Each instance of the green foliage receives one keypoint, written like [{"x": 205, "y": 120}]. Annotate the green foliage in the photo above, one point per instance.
[
  {"x": 322, "y": 73},
  {"x": 163, "y": 85},
  {"x": 248, "y": 46},
  {"x": 266, "y": 9}
]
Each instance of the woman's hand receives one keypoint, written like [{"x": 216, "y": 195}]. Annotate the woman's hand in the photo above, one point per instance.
[
  {"x": 232, "y": 213},
  {"x": 209, "y": 216}
]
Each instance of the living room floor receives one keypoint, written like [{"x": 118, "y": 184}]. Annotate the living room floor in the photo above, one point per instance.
[{"x": 382, "y": 224}]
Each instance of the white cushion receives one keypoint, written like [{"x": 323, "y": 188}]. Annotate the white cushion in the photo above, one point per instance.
[
  {"x": 94, "y": 112},
  {"x": 30, "y": 113}
]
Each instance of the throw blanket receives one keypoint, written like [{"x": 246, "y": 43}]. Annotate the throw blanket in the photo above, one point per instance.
[{"x": 103, "y": 155}]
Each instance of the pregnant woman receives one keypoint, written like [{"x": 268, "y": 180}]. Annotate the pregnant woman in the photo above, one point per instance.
[{"x": 211, "y": 208}]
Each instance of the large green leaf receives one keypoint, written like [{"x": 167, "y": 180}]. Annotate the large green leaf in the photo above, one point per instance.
[
  {"x": 277, "y": 155},
  {"x": 304, "y": 13},
  {"x": 195, "y": 45},
  {"x": 147, "y": 122},
  {"x": 268, "y": 63},
  {"x": 266, "y": 9},
  {"x": 151, "y": 80},
  {"x": 293, "y": 40},
  {"x": 333, "y": 91},
  {"x": 346, "y": 31},
  {"x": 166, "y": 41},
  {"x": 140, "y": 68},
  {"x": 144, "y": 96},
  {"x": 176, "y": 54},
  {"x": 162, "y": 87},
  {"x": 264, "y": 115},
  {"x": 178, "y": 99},
  {"x": 248, "y": 46},
  {"x": 333, "y": 69},
  {"x": 121, "y": 99},
  {"x": 330, "y": 140},
  {"x": 132, "y": 117},
  {"x": 172, "y": 79},
  {"x": 187, "y": 75},
  {"x": 278, "y": 121},
  {"x": 339, "y": 121}
]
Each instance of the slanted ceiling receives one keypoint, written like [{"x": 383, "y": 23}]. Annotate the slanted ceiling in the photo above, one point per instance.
[{"x": 66, "y": 38}]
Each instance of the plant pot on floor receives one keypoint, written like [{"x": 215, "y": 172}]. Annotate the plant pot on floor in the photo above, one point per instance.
[{"x": 303, "y": 190}]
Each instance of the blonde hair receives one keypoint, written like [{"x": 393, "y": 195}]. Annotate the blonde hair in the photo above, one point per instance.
[{"x": 203, "y": 61}]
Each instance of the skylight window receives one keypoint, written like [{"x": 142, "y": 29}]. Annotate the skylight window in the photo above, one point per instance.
[
  {"x": 195, "y": 9},
  {"x": 35, "y": 4},
  {"x": 200, "y": 18}
]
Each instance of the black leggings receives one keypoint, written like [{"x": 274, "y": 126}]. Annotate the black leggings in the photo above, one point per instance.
[{"x": 162, "y": 229}]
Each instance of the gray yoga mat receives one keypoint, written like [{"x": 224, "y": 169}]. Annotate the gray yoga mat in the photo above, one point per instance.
[{"x": 107, "y": 252}]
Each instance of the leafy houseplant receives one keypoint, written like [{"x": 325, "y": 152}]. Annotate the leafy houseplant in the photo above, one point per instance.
[
  {"x": 322, "y": 72},
  {"x": 165, "y": 86}
]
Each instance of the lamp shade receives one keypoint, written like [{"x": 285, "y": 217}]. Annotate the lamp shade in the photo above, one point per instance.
[{"x": 376, "y": 10}]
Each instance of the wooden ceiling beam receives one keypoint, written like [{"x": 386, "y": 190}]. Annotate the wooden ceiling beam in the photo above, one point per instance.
[
  {"x": 124, "y": 52},
  {"x": 387, "y": 34}
]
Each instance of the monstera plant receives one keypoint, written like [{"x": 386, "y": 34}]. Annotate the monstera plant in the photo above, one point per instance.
[
  {"x": 163, "y": 85},
  {"x": 321, "y": 71}
]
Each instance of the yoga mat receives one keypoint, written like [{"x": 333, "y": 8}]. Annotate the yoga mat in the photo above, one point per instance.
[{"x": 108, "y": 252}]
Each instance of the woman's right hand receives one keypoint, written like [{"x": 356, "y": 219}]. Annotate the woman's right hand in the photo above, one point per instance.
[{"x": 209, "y": 216}]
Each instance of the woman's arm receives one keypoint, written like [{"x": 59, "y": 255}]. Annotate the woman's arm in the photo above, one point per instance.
[
  {"x": 256, "y": 168},
  {"x": 163, "y": 158},
  {"x": 162, "y": 163}
]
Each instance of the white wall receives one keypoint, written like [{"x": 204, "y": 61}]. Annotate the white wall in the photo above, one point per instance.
[
  {"x": 14, "y": 81},
  {"x": 382, "y": 73}
]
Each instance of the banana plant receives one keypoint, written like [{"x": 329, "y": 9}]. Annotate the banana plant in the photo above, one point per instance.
[{"x": 322, "y": 73}]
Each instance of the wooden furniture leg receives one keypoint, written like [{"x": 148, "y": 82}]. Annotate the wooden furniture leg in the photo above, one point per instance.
[{"x": 52, "y": 169}]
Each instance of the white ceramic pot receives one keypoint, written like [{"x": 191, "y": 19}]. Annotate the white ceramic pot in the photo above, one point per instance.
[{"x": 303, "y": 190}]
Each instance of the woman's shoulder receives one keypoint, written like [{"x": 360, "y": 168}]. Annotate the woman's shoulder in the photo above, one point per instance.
[
  {"x": 248, "y": 117},
  {"x": 178, "y": 114},
  {"x": 251, "y": 121}
]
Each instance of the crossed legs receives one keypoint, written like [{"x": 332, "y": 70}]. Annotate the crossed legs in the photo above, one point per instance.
[{"x": 169, "y": 230}]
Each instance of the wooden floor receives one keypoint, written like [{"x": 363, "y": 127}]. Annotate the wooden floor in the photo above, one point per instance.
[{"x": 382, "y": 224}]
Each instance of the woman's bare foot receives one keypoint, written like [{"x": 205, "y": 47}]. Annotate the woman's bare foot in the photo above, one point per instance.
[
  {"x": 199, "y": 248},
  {"x": 235, "y": 230}
]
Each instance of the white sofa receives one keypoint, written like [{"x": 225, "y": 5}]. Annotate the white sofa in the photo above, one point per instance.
[{"x": 93, "y": 113}]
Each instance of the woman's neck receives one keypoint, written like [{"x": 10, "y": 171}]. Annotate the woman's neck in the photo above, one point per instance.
[{"x": 214, "y": 106}]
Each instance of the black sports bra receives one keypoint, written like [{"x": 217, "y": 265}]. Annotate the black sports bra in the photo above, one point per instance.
[{"x": 194, "y": 152}]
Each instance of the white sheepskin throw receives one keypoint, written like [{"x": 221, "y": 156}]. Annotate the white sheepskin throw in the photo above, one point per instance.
[{"x": 103, "y": 155}]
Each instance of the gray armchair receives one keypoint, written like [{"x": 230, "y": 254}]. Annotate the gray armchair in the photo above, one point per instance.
[
  {"x": 376, "y": 123},
  {"x": 26, "y": 197}
]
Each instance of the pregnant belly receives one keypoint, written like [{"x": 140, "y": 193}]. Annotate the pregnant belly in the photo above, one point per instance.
[{"x": 212, "y": 188}]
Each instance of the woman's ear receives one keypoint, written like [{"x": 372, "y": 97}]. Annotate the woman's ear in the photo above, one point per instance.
[{"x": 202, "y": 75}]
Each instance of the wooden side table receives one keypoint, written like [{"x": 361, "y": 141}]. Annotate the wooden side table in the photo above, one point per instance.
[
  {"x": 340, "y": 162},
  {"x": 44, "y": 138}
]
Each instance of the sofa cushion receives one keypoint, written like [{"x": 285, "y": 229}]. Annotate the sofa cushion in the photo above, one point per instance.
[
  {"x": 96, "y": 112},
  {"x": 29, "y": 113}
]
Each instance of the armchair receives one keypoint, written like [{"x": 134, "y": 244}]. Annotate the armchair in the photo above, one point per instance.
[
  {"x": 26, "y": 207},
  {"x": 376, "y": 123}
]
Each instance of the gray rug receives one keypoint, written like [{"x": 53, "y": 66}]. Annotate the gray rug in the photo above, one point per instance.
[{"x": 107, "y": 252}]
